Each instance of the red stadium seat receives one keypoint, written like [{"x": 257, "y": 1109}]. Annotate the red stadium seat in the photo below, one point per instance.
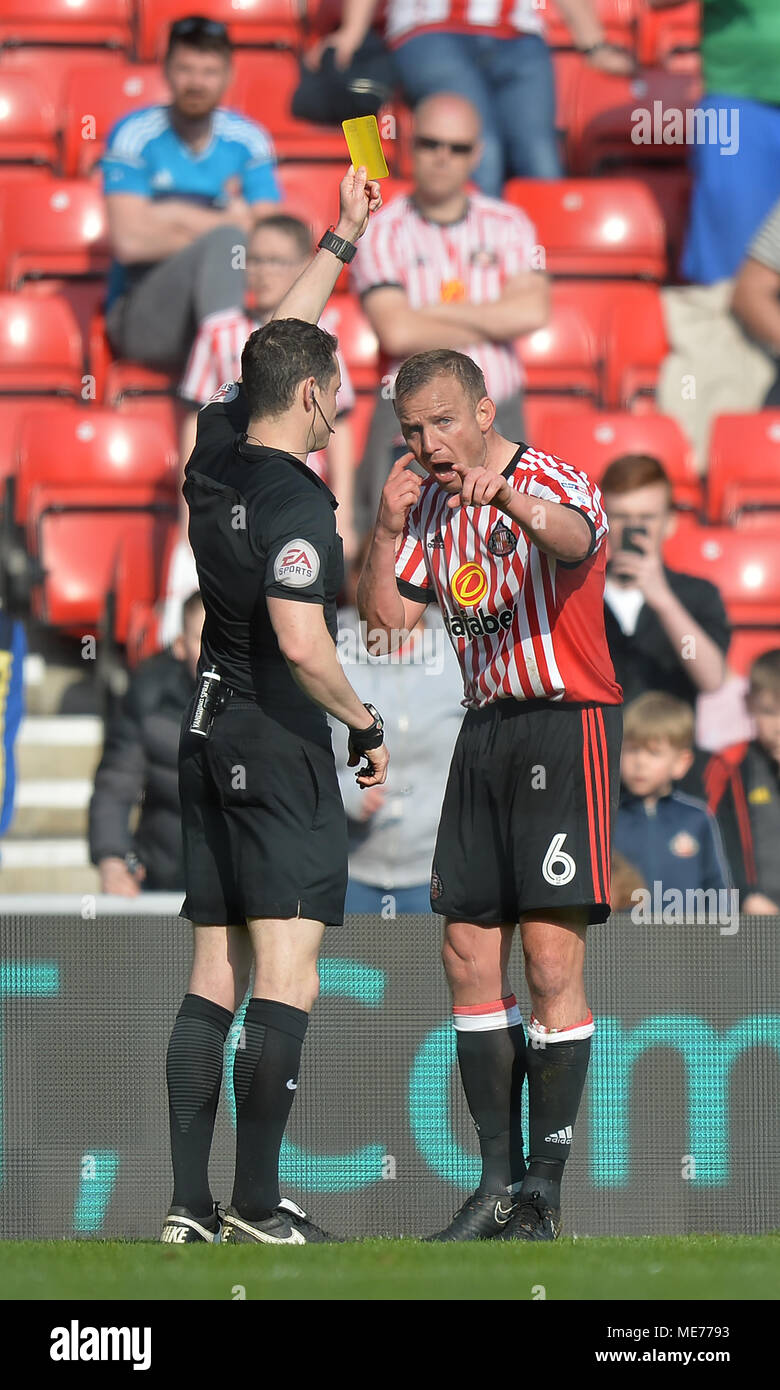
[
  {"x": 267, "y": 23},
  {"x": 96, "y": 448},
  {"x": 561, "y": 358},
  {"x": 594, "y": 226},
  {"x": 747, "y": 644},
  {"x": 745, "y": 566},
  {"x": 40, "y": 347},
  {"x": 670, "y": 189},
  {"x": 358, "y": 342},
  {"x": 744, "y": 467},
  {"x": 670, "y": 37},
  {"x": 636, "y": 345},
  {"x": 53, "y": 228},
  {"x": 131, "y": 379},
  {"x": 28, "y": 121},
  {"x": 264, "y": 87},
  {"x": 605, "y": 130},
  {"x": 592, "y": 442},
  {"x": 139, "y": 578},
  {"x": 14, "y": 410},
  {"x": 95, "y": 99},
  {"x": 567, "y": 66},
  {"x": 105, "y": 23},
  {"x": 51, "y": 67},
  {"x": 538, "y": 412},
  {"x": 617, "y": 17},
  {"x": 79, "y": 551}
]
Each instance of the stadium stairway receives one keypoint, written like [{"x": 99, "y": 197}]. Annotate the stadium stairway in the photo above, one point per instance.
[{"x": 45, "y": 848}]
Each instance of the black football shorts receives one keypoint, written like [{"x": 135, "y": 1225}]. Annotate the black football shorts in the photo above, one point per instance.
[
  {"x": 525, "y": 825},
  {"x": 263, "y": 820}
]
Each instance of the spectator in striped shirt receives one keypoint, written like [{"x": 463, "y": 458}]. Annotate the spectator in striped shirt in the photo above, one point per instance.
[
  {"x": 279, "y": 250},
  {"x": 184, "y": 183},
  {"x": 445, "y": 267},
  {"x": 756, "y": 298},
  {"x": 495, "y": 55}
]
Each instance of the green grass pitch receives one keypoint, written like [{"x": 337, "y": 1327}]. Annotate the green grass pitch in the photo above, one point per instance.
[{"x": 664, "y": 1267}]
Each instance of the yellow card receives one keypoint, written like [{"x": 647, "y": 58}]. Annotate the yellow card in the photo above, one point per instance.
[{"x": 365, "y": 146}]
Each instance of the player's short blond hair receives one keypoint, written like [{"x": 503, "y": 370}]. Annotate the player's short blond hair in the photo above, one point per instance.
[
  {"x": 656, "y": 715},
  {"x": 424, "y": 367}
]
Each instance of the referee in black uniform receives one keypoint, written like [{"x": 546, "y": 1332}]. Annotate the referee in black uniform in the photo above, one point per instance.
[{"x": 265, "y": 844}]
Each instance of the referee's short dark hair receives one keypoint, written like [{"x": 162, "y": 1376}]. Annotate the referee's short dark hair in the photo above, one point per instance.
[
  {"x": 278, "y": 357},
  {"x": 632, "y": 471},
  {"x": 424, "y": 367}
]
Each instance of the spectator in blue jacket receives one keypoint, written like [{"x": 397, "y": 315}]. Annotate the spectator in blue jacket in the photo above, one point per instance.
[
  {"x": 13, "y": 646},
  {"x": 672, "y": 839}
]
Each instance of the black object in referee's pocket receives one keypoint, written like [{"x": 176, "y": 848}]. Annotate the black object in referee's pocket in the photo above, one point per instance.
[{"x": 210, "y": 697}]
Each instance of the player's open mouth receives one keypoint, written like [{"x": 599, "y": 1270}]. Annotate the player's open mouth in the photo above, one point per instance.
[{"x": 444, "y": 472}]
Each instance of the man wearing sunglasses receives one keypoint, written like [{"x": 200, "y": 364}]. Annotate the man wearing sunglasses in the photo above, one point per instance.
[
  {"x": 184, "y": 185},
  {"x": 446, "y": 267}
]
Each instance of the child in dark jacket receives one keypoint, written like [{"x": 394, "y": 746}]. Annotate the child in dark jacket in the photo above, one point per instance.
[{"x": 672, "y": 839}]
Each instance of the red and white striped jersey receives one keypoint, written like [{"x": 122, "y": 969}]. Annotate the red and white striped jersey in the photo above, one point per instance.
[
  {"x": 524, "y": 625},
  {"x": 471, "y": 259},
  {"x": 216, "y": 358},
  {"x": 504, "y": 19}
]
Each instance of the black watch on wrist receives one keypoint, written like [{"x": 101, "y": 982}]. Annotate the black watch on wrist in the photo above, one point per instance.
[
  {"x": 364, "y": 740},
  {"x": 345, "y": 250}
]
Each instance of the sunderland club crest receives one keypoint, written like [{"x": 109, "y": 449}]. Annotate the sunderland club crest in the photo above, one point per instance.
[{"x": 501, "y": 540}]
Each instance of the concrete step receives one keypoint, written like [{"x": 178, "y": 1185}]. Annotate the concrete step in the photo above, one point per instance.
[
  {"x": 60, "y": 746},
  {"x": 52, "y": 880}
]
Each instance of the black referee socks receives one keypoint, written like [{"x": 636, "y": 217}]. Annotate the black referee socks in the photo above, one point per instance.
[
  {"x": 557, "y": 1063},
  {"x": 194, "y": 1076},
  {"x": 491, "y": 1056},
  {"x": 265, "y": 1078}
]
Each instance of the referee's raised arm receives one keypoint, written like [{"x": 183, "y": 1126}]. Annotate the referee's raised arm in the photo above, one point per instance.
[{"x": 358, "y": 198}]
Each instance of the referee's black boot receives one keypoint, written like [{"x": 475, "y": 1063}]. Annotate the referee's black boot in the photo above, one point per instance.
[
  {"x": 287, "y": 1224},
  {"x": 182, "y": 1228},
  {"x": 534, "y": 1219},
  {"x": 483, "y": 1216}
]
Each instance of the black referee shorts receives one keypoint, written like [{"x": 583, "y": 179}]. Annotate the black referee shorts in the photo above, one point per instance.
[
  {"x": 525, "y": 825},
  {"x": 263, "y": 821}
]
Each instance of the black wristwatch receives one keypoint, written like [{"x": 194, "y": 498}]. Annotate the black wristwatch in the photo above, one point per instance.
[
  {"x": 364, "y": 740},
  {"x": 345, "y": 250}
]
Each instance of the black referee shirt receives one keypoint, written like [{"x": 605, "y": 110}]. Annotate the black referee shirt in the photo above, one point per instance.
[
  {"x": 261, "y": 524},
  {"x": 646, "y": 660}
]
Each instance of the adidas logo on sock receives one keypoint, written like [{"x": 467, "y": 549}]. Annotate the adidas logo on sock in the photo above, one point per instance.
[{"x": 561, "y": 1136}]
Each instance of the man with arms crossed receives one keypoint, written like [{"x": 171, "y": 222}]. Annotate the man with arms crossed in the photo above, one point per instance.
[
  {"x": 508, "y": 542},
  {"x": 265, "y": 842}
]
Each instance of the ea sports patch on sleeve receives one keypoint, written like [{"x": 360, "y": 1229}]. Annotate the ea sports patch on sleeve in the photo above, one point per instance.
[{"x": 297, "y": 564}]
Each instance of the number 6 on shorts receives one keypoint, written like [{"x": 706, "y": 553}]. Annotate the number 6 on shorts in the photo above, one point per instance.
[{"x": 557, "y": 866}]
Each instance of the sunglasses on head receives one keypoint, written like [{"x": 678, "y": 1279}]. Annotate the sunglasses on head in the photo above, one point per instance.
[
  {"x": 427, "y": 142},
  {"x": 195, "y": 24}
]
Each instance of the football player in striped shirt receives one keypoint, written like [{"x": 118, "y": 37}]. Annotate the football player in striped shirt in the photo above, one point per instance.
[{"x": 509, "y": 542}]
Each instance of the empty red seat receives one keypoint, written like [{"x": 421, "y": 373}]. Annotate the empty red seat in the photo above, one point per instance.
[
  {"x": 139, "y": 577},
  {"x": 669, "y": 37},
  {"x": 745, "y": 566},
  {"x": 747, "y": 644},
  {"x": 630, "y": 120},
  {"x": 51, "y": 67},
  {"x": 567, "y": 65},
  {"x": 744, "y": 467},
  {"x": 53, "y": 228},
  {"x": 96, "y": 98},
  {"x": 617, "y": 18},
  {"x": 125, "y": 379},
  {"x": 636, "y": 345},
  {"x": 594, "y": 226},
  {"x": 272, "y": 23},
  {"x": 593, "y": 441},
  {"x": 562, "y": 357},
  {"x": 79, "y": 550},
  {"x": 95, "y": 449},
  {"x": 28, "y": 120},
  {"x": 40, "y": 347},
  {"x": 264, "y": 87},
  {"x": 358, "y": 342},
  {"x": 105, "y": 23},
  {"x": 14, "y": 410}
]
